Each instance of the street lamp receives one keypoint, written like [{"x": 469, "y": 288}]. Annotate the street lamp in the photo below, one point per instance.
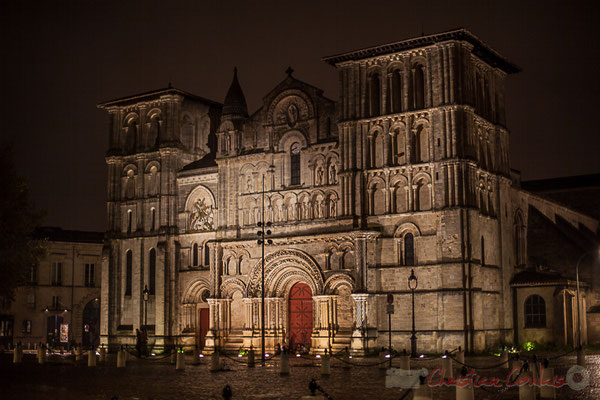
[
  {"x": 146, "y": 296},
  {"x": 579, "y": 341},
  {"x": 262, "y": 234},
  {"x": 412, "y": 285}
]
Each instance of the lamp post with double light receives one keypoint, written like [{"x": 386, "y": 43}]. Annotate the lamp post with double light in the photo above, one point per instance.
[
  {"x": 262, "y": 234},
  {"x": 412, "y": 285}
]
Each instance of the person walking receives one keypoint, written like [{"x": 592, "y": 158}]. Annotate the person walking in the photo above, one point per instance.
[{"x": 138, "y": 342}]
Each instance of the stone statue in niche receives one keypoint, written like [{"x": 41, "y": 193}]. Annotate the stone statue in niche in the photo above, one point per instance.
[
  {"x": 332, "y": 175},
  {"x": 249, "y": 185},
  {"x": 319, "y": 180},
  {"x": 333, "y": 208},
  {"x": 292, "y": 115},
  {"x": 202, "y": 216}
]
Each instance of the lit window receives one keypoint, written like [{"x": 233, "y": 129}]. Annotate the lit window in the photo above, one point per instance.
[{"x": 27, "y": 326}]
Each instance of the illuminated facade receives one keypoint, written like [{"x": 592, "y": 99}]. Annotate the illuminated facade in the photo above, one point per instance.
[{"x": 409, "y": 169}]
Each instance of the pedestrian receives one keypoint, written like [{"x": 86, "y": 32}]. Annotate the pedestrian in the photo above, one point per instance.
[
  {"x": 138, "y": 342},
  {"x": 144, "y": 338}
]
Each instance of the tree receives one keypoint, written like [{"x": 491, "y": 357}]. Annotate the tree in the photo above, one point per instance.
[{"x": 19, "y": 249}]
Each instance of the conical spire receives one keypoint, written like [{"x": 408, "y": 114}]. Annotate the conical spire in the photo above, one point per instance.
[{"x": 235, "y": 102}]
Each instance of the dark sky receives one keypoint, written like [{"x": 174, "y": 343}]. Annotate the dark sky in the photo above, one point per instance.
[{"x": 60, "y": 58}]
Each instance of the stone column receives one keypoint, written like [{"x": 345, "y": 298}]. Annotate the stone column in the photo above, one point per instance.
[
  {"x": 212, "y": 334},
  {"x": 358, "y": 343},
  {"x": 324, "y": 321}
]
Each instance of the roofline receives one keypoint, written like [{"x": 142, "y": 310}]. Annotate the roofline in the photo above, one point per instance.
[
  {"x": 481, "y": 49},
  {"x": 169, "y": 90}
]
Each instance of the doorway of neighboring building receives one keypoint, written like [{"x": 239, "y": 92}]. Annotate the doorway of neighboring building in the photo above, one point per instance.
[
  {"x": 91, "y": 324},
  {"x": 53, "y": 330},
  {"x": 202, "y": 326},
  {"x": 300, "y": 308}
]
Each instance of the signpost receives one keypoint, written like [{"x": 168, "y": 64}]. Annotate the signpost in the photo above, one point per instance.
[{"x": 390, "y": 311}]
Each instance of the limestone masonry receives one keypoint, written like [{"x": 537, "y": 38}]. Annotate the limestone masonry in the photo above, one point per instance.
[{"x": 407, "y": 170}]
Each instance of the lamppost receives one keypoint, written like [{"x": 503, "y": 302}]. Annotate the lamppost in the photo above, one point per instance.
[
  {"x": 412, "y": 285},
  {"x": 146, "y": 293},
  {"x": 579, "y": 340},
  {"x": 262, "y": 234}
]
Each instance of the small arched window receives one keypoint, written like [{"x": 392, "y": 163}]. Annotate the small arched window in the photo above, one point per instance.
[
  {"x": 295, "y": 164},
  {"x": 535, "y": 312},
  {"x": 128, "y": 272},
  {"x": 131, "y": 139},
  {"x": 409, "y": 249},
  {"x": 374, "y": 106},
  {"x": 418, "y": 87},
  {"x": 152, "y": 272},
  {"x": 195, "y": 254},
  {"x": 206, "y": 255},
  {"x": 154, "y": 131},
  {"x": 396, "y": 91},
  {"x": 129, "y": 220},
  {"x": 153, "y": 216}
]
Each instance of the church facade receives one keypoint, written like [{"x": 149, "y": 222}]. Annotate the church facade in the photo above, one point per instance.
[{"x": 407, "y": 171}]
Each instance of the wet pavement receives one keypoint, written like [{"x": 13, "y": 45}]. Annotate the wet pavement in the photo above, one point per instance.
[{"x": 63, "y": 378}]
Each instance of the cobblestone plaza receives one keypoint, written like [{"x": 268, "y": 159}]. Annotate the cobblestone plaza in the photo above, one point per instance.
[{"x": 62, "y": 378}]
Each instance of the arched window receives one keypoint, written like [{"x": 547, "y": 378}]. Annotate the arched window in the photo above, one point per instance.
[
  {"x": 421, "y": 144},
  {"x": 418, "y": 87},
  {"x": 374, "y": 107},
  {"x": 535, "y": 312},
  {"x": 152, "y": 272},
  {"x": 129, "y": 220},
  {"x": 131, "y": 138},
  {"x": 130, "y": 185},
  {"x": 409, "y": 249},
  {"x": 396, "y": 91},
  {"x": 128, "y": 272},
  {"x": 206, "y": 255},
  {"x": 295, "y": 164},
  {"x": 154, "y": 131},
  {"x": 195, "y": 254},
  {"x": 153, "y": 216}
]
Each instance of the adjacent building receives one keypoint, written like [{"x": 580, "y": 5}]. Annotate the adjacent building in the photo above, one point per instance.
[
  {"x": 60, "y": 304},
  {"x": 407, "y": 171}
]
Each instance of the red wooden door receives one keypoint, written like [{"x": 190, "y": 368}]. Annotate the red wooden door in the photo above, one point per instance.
[
  {"x": 202, "y": 326},
  {"x": 300, "y": 315}
]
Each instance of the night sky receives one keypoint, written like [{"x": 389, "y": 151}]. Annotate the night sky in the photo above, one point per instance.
[{"x": 60, "y": 58}]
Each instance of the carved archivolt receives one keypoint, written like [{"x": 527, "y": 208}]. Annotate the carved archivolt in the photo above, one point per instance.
[
  {"x": 338, "y": 280},
  {"x": 283, "y": 268},
  {"x": 289, "y": 107},
  {"x": 232, "y": 285},
  {"x": 193, "y": 293}
]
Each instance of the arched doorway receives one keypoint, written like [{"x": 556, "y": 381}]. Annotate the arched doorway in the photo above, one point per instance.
[
  {"x": 91, "y": 324},
  {"x": 300, "y": 308},
  {"x": 202, "y": 324}
]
